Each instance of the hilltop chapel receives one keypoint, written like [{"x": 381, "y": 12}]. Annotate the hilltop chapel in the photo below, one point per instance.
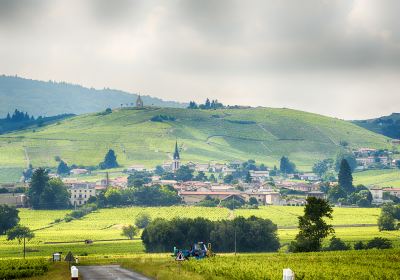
[{"x": 139, "y": 102}]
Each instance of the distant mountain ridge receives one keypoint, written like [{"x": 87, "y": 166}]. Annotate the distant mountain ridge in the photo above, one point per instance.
[
  {"x": 386, "y": 125},
  {"x": 55, "y": 98}
]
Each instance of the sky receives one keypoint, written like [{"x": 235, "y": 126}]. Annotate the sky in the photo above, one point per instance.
[{"x": 338, "y": 58}]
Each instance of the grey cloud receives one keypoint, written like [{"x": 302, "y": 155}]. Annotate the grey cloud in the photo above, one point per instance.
[{"x": 206, "y": 46}]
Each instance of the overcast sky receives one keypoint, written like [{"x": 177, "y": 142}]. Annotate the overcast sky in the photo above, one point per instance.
[{"x": 337, "y": 58}]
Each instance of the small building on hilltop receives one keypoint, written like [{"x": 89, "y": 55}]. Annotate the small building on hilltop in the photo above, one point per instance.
[{"x": 139, "y": 102}]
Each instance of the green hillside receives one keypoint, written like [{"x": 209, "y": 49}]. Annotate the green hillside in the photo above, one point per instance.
[{"x": 263, "y": 134}]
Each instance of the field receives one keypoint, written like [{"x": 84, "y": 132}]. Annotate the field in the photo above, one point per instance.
[
  {"x": 381, "y": 178},
  {"x": 263, "y": 134},
  {"x": 372, "y": 264},
  {"x": 352, "y": 224}
]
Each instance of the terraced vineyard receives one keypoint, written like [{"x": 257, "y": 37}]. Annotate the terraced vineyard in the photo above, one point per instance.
[{"x": 106, "y": 224}]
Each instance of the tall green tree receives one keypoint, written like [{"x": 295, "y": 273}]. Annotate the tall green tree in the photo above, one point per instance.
[
  {"x": 38, "y": 183},
  {"x": 348, "y": 156},
  {"x": 44, "y": 193},
  {"x": 184, "y": 173},
  {"x": 286, "y": 166},
  {"x": 312, "y": 226},
  {"x": 63, "y": 168},
  {"x": 20, "y": 233},
  {"x": 110, "y": 160},
  {"x": 8, "y": 218},
  {"x": 346, "y": 177},
  {"x": 320, "y": 167},
  {"x": 55, "y": 195},
  {"x": 248, "y": 177}
]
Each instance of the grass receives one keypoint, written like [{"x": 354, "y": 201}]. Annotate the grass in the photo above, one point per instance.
[
  {"x": 204, "y": 135},
  {"x": 380, "y": 178},
  {"x": 106, "y": 224},
  {"x": 57, "y": 271}
]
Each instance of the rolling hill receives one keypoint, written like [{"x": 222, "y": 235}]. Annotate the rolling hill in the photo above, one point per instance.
[
  {"x": 387, "y": 125},
  {"x": 263, "y": 134},
  {"x": 40, "y": 98}
]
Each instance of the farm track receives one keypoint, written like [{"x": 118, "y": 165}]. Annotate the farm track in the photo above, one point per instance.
[{"x": 99, "y": 272}]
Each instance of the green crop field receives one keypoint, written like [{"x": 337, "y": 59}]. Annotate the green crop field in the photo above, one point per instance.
[
  {"x": 339, "y": 265},
  {"x": 263, "y": 134},
  {"x": 363, "y": 265},
  {"x": 352, "y": 224},
  {"x": 380, "y": 178}
]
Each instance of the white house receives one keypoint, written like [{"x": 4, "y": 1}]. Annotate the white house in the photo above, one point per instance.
[
  {"x": 377, "y": 195},
  {"x": 79, "y": 171},
  {"x": 80, "y": 193}
]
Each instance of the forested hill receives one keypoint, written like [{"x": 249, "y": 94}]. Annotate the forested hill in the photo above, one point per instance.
[
  {"x": 148, "y": 136},
  {"x": 387, "y": 125},
  {"x": 50, "y": 98}
]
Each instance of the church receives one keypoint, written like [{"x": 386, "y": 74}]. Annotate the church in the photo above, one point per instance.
[{"x": 176, "y": 164}]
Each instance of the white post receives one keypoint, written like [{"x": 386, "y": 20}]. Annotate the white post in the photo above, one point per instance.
[
  {"x": 288, "y": 274},
  {"x": 74, "y": 273}
]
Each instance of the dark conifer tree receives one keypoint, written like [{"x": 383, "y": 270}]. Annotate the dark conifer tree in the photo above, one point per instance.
[{"x": 345, "y": 177}]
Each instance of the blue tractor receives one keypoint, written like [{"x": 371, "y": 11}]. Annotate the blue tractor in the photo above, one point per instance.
[{"x": 198, "y": 250}]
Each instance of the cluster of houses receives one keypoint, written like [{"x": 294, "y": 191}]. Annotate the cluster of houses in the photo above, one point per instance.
[{"x": 367, "y": 157}]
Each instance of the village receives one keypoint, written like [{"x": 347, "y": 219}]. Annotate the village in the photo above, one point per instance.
[{"x": 261, "y": 185}]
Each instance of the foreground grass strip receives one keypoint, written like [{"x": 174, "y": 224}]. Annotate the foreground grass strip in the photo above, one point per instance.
[{"x": 16, "y": 268}]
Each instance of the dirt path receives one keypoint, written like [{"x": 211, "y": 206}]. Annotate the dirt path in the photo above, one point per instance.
[
  {"x": 28, "y": 160},
  {"x": 99, "y": 272}
]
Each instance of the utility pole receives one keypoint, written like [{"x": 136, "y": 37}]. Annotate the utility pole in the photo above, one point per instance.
[
  {"x": 107, "y": 180},
  {"x": 234, "y": 223}
]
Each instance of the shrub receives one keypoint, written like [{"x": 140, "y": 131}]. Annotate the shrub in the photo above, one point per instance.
[
  {"x": 142, "y": 220},
  {"x": 359, "y": 245},
  {"x": 386, "y": 222},
  {"x": 336, "y": 244},
  {"x": 379, "y": 243},
  {"x": 68, "y": 219}
]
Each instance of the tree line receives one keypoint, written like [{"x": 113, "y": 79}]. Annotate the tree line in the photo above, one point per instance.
[
  {"x": 252, "y": 234},
  {"x": 208, "y": 105}
]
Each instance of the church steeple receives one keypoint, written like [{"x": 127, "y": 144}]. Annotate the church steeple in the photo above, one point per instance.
[
  {"x": 176, "y": 153},
  {"x": 176, "y": 164}
]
